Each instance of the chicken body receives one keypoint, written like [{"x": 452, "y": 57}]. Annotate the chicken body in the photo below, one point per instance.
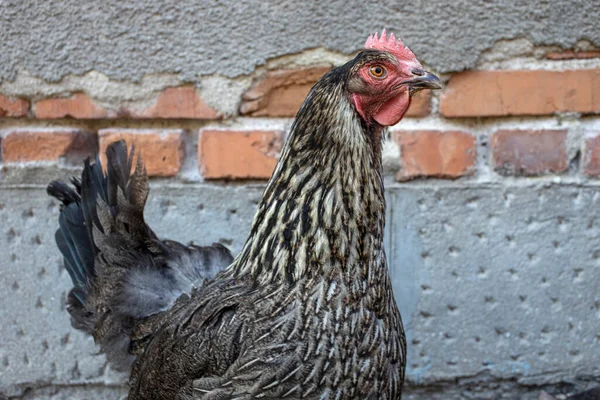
[
  {"x": 309, "y": 309},
  {"x": 305, "y": 311},
  {"x": 282, "y": 341}
]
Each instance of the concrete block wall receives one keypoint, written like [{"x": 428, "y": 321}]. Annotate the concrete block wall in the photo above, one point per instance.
[{"x": 493, "y": 231}]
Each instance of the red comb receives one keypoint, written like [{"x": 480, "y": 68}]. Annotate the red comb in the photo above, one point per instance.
[{"x": 389, "y": 44}]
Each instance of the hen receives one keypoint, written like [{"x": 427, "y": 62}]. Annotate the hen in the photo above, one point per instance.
[{"x": 306, "y": 310}]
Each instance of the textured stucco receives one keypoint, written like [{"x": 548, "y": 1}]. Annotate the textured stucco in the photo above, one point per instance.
[
  {"x": 128, "y": 39},
  {"x": 497, "y": 285}
]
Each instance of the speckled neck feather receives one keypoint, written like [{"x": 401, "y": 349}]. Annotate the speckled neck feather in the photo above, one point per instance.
[{"x": 324, "y": 206}]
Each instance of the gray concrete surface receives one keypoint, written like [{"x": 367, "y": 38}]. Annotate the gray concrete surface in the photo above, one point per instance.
[
  {"x": 126, "y": 40},
  {"x": 498, "y": 286}
]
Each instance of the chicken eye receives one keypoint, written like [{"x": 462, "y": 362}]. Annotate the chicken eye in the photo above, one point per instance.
[{"x": 377, "y": 71}]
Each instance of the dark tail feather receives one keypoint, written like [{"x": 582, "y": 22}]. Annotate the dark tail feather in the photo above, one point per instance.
[
  {"x": 79, "y": 214},
  {"x": 75, "y": 242},
  {"x": 121, "y": 272},
  {"x": 92, "y": 187},
  {"x": 134, "y": 189},
  {"x": 77, "y": 248},
  {"x": 101, "y": 222}
]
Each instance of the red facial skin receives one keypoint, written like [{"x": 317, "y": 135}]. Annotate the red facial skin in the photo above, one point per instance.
[{"x": 386, "y": 102}]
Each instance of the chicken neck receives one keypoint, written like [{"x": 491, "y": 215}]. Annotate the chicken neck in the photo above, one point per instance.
[{"x": 323, "y": 211}]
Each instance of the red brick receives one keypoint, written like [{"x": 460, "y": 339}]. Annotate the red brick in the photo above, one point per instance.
[
  {"x": 162, "y": 150},
  {"x": 591, "y": 156},
  {"x": 529, "y": 152},
  {"x": 280, "y": 93},
  {"x": 13, "y": 107},
  {"x": 572, "y": 55},
  {"x": 502, "y": 93},
  {"x": 79, "y": 106},
  {"x": 420, "y": 106},
  {"x": 440, "y": 154},
  {"x": 179, "y": 102},
  {"x": 229, "y": 154},
  {"x": 45, "y": 144}
]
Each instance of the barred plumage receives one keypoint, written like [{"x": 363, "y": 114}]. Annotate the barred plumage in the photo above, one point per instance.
[{"x": 306, "y": 310}]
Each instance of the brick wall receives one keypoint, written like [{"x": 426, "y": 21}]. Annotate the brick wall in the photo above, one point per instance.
[{"x": 534, "y": 122}]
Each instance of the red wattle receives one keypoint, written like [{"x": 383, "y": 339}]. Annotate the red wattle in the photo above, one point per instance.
[{"x": 392, "y": 111}]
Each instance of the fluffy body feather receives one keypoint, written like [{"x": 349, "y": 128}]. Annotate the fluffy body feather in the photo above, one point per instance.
[{"x": 305, "y": 311}]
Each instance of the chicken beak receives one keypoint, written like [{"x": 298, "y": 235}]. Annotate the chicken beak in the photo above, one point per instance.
[{"x": 423, "y": 80}]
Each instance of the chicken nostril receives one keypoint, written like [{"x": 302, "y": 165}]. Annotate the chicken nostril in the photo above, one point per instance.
[{"x": 418, "y": 72}]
